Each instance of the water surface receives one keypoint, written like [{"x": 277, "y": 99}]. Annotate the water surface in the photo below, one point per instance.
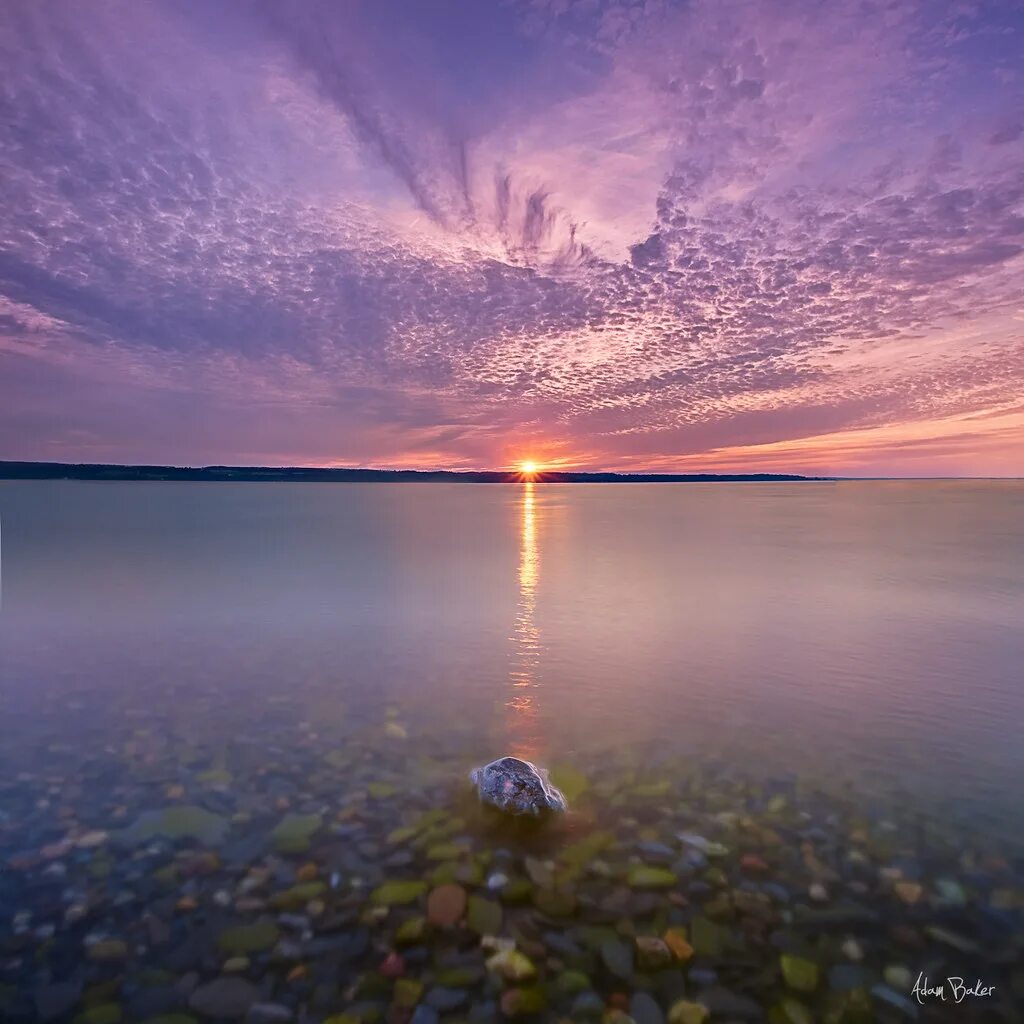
[
  {"x": 875, "y": 627},
  {"x": 787, "y": 717}
]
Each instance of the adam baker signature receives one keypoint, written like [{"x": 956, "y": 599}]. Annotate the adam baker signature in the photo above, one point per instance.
[{"x": 957, "y": 988}]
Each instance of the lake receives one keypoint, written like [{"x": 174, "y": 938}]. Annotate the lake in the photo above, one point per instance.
[{"x": 765, "y": 667}]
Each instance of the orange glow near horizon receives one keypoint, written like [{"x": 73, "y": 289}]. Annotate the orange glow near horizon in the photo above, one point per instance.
[{"x": 528, "y": 468}]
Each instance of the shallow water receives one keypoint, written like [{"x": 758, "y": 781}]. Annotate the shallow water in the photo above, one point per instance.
[{"x": 266, "y": 648}]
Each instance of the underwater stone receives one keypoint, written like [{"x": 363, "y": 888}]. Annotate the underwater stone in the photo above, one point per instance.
[
  {"x": 225, "y": 997},
  {"x": 179, "y": 822},
  {"x": 397, "y": 893},
  {"x": 294, "y": 832},
  {"x": 446, "y": 904},
  {"x": 517, "y": 787}
]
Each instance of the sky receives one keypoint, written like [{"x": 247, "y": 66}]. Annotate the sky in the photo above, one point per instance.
[{"x": 597, "y": 234}]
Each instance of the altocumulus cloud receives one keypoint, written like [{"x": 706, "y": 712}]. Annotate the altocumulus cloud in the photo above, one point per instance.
[{"x": 782, "y": 235}]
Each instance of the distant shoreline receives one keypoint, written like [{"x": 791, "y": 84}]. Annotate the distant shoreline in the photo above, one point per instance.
[{"x": 269, "y": 474}]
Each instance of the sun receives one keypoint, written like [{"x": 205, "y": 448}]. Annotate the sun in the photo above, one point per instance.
[{"x": 528, "y": 468}]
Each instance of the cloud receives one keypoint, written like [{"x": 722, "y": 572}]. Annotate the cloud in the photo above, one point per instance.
[{"x": 640, "y": 233}]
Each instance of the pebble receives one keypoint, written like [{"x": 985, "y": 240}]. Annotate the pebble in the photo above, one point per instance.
[
  {"x": 909, "y": 892},
  {"x": 53, "y": 1001},
  {"x": 685, "y": 1012},
  {"x": 721, "y": 1002},
  {"x": 393, "y": 966},
  {"x": 894, "y": 999},
  {"x": 91, "y": 840},
  {"x": 652, "y": 953},
  {"x": 644, "y": 1010},
  {"x": 225, "y": 997},
  {"x": 754, "y": 864},
  {"x": 269, "y": 1013},
  {"x": 704, "y": 977},
  {"x": 445, "y": 905},
  {"x": 444, "y": 1000},
  {"x": 541, "y": 873},
  {"x": 587, "y": 1005},
  {"x": 511, "y": 965},
  {"x": 655, "y": 852},
  {"x": 899, "y": 977},
  {"x": 355, "y": 927},
  {"x": 844, "y": 977},
  {"x": 104, "y": 950},
  {"x": 618, "y": 958},
  {"x": 424, "y": 1014}
]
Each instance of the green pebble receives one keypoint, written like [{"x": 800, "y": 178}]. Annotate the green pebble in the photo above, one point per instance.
[
  {"x": 428, "y": 818},
  {"x": 580, "y": 854},
  {"x": 293, "y": 832},
  {"x": 184, "y": 821},
  {"x": 800, "y": 974},
  {"x": 511, "y": 965},
  {"x": 517, "y": 890},
  {"x": 408, "y": 992},
  {"x": 108, "y": 949},
  {"x": 248, "y": 938},
  {"x": 717, "y": 877},
  {"x": 459, "y": 977},
  {"x": 685, "y": 1012},
  {"x": 411, "y": 931},
  {"x": 392, "y": 894},
  {"x": 298, "y": 895},
  {"x": 790, "y": 1011},
  {"x": 105, "y": 1013},
  {"x": 652, "y": 790},
  {"x": 571, "y": 983},
  {"x": 444, "y": 851},
  {"x": 708, "y": 938},
  {"x": 484, "y": 916},
  {"x": 571, "y": 781},
  {"x": 102, "y": 992},
  {"x": 155, "y": 977},
  {"x": 555, "y": 902},
  {"x": 469, "y": 873},
  {"x": 519, "y": 1002},
  {"x": 643, "y": 876},
  {"x": 445, "y": 873}
]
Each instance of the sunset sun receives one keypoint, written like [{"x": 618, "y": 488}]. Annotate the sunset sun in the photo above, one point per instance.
[{"x": 528, "y": 468}]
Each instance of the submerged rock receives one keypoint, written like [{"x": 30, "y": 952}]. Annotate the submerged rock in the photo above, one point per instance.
[
  {"x": 517, "y": 787},
  {"x": 185, "y": 821},
  {"x": 224, "y": 997}
]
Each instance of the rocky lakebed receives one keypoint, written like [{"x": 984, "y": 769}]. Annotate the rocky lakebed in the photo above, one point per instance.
[{"x": 333, "y": 874}]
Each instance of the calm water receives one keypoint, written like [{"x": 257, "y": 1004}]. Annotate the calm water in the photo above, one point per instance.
[
  {"x": 869, "y": 631},
  {"x": 238, "y": 719}
]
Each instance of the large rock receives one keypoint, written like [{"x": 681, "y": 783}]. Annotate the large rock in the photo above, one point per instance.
[{"x": 517, "y": 787}]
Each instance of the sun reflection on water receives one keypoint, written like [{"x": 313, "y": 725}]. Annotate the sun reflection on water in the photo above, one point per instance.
[{"x": 522, "y": 705}]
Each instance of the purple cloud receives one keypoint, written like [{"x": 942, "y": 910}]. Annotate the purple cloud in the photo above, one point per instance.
[{"x": 402, "y": 233}]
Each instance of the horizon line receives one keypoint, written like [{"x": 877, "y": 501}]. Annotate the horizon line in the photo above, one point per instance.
[{"x": 42, "y": 469}]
